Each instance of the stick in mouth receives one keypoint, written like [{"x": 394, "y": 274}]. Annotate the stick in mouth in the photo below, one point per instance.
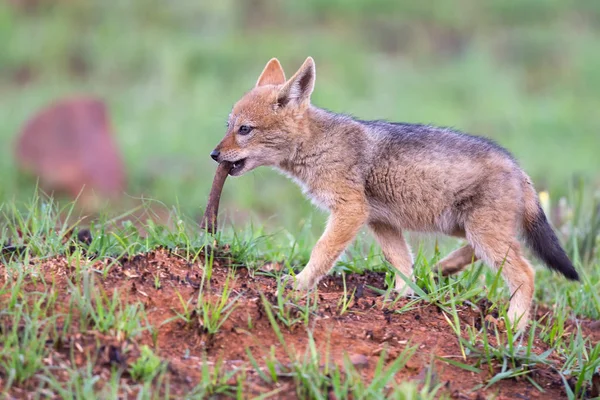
[{"x": 209, "y": 220}]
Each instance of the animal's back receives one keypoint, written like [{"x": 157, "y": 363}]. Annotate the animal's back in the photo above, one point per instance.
[
  {"x": 426, "y": 178},
  {"x": 434, "y": 142}
]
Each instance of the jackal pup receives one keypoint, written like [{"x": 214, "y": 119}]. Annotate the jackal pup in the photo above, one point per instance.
[{"x": 393, "y": 177}]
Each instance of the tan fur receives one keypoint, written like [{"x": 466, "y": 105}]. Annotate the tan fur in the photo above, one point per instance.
[
  {"x": 391, "y": 177},
  {"x": 457, "y": 260},
  {"x": 272, "y": 74}
]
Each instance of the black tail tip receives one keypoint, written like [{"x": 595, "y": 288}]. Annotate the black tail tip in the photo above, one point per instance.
[
  {"x": 561, "y": 264},
  {"x": 571, "y": 274},
  {"x": 544, "y": 243}
]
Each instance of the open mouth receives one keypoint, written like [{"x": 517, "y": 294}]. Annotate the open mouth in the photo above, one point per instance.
[{"x": 237, "y": 166}]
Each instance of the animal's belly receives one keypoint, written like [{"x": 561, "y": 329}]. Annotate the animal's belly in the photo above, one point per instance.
[
  {"x": 404, "y": 218},
  {"x": 409, "y": 199}
]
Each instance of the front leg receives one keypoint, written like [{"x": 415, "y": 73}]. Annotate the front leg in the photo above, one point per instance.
[{"x": 344, "y": 223}]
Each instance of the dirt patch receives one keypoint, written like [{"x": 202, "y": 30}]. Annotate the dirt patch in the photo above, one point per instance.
[{"x": 166, "y": 283}]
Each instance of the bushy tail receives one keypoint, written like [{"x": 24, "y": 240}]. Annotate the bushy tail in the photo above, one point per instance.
[{"x": 543, "y": 241}]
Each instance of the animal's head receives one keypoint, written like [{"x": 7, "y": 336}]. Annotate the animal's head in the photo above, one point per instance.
[{"x": 267, "y": 124}]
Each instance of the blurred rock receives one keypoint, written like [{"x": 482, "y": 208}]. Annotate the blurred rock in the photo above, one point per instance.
[
  {"x": 23, "y": 75},
  {"x": 359, "y": 360},
  {"x": 69, "y": 146},
  {"x": 28, "y": 6}
]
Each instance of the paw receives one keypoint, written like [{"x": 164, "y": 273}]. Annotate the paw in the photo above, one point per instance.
[
  {"x": 300, "y": 282},
  {"x": 519, "y": 318},
  {"x": 403, "y": 289},
  {"x": 304, "y": 281}
]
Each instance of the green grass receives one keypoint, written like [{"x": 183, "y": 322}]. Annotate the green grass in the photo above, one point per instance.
[
  {"x": 317, "y": 382},
  {"x": 105, "y": 314},
  {"x": 525, "y": 73},
  {"x": 208, "y": 315},
  {"x": 31, "y": 319},
  {"x": 147, "y": 366}
]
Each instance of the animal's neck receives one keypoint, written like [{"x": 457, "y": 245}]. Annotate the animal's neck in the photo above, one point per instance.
[
  {"x": 326, "y": 138},
  {"x": 312, "y": 144}
]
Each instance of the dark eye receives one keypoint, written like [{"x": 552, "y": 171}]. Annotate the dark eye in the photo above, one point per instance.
[{"x": 245, "y": 129}]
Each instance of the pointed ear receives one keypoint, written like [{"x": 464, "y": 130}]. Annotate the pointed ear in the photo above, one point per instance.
[
  {"x": 300, "y": 86},
  {"x": 272, "y": 74}
]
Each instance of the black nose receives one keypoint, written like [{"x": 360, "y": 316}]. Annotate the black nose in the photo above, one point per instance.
[{"x": 215, "y": 154}]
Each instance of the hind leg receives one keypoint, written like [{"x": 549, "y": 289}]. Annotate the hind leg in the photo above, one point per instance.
[
  {"x": 456, "y": 261},
  {"x": 499, "y": 251},
  {"x": 396, "y": 251}
]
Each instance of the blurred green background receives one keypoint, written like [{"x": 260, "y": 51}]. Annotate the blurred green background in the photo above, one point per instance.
[{"x": 523, "y": 72}]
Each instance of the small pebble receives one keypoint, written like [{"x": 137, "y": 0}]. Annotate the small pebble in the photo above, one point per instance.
[{"x": 359, "y": 360}]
